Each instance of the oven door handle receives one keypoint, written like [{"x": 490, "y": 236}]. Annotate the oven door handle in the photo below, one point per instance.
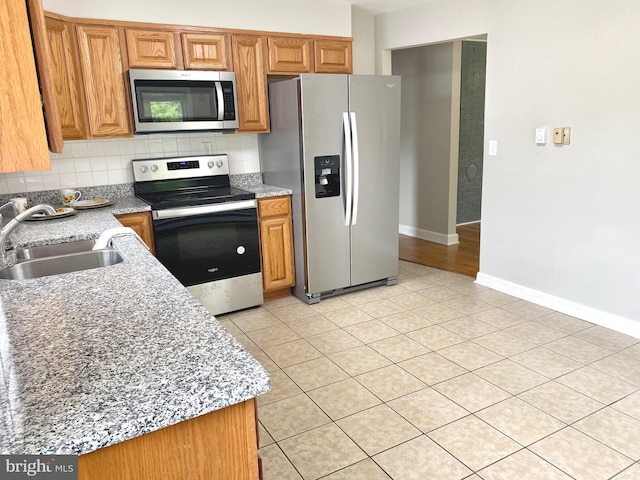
[{"x": 203, "y": 209}]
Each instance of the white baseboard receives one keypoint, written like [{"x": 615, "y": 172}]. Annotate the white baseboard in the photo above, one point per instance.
[
  {"x": 604, "y": 319},
  {"x": 429, "y": 236}
]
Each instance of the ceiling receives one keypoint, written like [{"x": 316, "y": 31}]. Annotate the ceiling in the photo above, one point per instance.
[{"x": 382, "y": 6}]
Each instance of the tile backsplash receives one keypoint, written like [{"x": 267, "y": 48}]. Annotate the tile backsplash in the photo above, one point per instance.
[{"x": 87, "y": 163}]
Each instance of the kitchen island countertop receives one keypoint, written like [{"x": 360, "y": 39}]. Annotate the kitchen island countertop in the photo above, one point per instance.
[{"x": 89, "y": 359}]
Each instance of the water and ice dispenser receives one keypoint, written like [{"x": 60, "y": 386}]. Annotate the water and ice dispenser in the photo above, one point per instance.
[{"x": 327, "y": 176}]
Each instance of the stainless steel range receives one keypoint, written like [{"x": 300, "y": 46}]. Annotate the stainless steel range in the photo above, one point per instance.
[{"x": 205, "y": 230}]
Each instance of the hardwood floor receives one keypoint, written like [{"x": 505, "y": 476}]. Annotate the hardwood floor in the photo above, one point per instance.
[{"x": 463, "y": 258}]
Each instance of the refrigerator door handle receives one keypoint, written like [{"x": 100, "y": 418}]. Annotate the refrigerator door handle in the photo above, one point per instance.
[
  {"x": 356, "y": 168},
  {"x": 346, "y": 124}
]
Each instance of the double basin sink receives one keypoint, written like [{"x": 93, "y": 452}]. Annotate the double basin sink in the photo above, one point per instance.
[{"x": 60, "y": 258}]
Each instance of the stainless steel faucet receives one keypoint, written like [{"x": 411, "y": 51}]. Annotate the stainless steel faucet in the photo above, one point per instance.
[
  {"x": 105, "y": 238},
  {"x": 14, "y": 222}
]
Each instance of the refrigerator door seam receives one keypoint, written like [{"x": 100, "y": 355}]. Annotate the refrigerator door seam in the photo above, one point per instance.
[
  {"x": 346, "y": 123},
  {"x": 356, "y": 167}
]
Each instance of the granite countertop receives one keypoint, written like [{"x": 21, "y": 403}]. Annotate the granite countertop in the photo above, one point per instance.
[{"x": 93, "y": 358}]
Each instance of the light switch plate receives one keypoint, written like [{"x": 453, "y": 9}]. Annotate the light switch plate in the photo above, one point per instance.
[
  {"x": 541, "y": 135},
  {"x": 493, "y": 148}
]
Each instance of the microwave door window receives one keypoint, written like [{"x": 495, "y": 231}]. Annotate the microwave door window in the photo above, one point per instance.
[
  {"x": 169, "y": 102},
  {"x": 160, "y": 107}
]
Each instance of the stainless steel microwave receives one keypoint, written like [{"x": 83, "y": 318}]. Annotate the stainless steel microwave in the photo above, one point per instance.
[{"x": 183, "y": 100}]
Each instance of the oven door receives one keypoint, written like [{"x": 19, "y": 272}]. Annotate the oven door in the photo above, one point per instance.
[{"x": 207, "y": 243}]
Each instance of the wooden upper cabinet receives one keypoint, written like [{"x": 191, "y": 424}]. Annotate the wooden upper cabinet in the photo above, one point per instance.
[
  {"x": 150, "y": 49},
  {"x": 205, "y": 51},
  {"x": 290, "y": 55},
  {"x": 23, "y": 138},
  {"x": 251, "y": 82},
  {"x": 104, "y": 81},
  {"x": 66, "y": 79},
  {"x": 333, "y": 56}
]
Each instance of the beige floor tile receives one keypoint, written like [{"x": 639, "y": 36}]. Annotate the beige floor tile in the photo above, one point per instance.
[
  {"x": 499, "y": 318},
  {"x": 504, "y": 343},
  {"x": 510, "y": 376},
  {"x": 333, "y": 341},
  {"x": 597, "y": 385},
  {"x": 343, "y": 398},
  {"x": 281, "y": 387},
  {"x": 535, "y": 332},
  {"x": 427, "y": 409},
  {"x": 452, "y": 279},
  {"x": 307, "y": 326},
  {"x": 377, "y": 429},
  {"x": 359, "y": 360},
  {"x": 361, "y": 296},
  {"x": 606, "y": 338},
  {"x": 439, "y": 293},
  {"x": 421, "y": 459},
  {"x": 633, "y": 351},
  {"x": 615, "y": 429},
  {"x": 432, "y": 368},
  {"x": 329, "y": 304},
  {"x": 578, "y": 350},
  {"x": 435, "y": 337},
  {"x": 257, "y": 320},
  {"x": 371, "y": 331},
  {"x": 417, "y": 283},
  {"x": 264, "y": 438},
  {"x": 281, "y": 302},
  {"x": 620, "y": 366},
  {"x": 291, "y": 416},
  {"x": 520, "y": 421},
  {"x": 257, "y": 352},
  {"x": 291, "y": 353},
  {"x": 526, "y": 309},
  {"x": 405, "y": 321},
  {"x": 468, "y": 327},
  {"x": 343, "y": 317},
  {"x": 631, "y": 473},
  {"x": 416, "y": 268},
  {"x": 629, "y": 405},
  {"x": 399, "y": 348},
  {"x": 270, "y": 336},
  {"x": 294, "y": 311},
  {"x": 411, "y": 300},
  {"x": 563, "y": 322},
  {"x": 390, "y": 382},
  {"x": 580, "y": 456},
  {"x": 471, "y": 392},
  {"x": 546, "y": 362},
  {"x": 470, "y": 355},
  {"x": 315, "y": 373},
  {"x": 473, "y": 442},
  {"x": 365, "y": 470},
  {"x": 523, "y": 465},
  {"x": 495, "y": 298},
  {"x": 468, "y": 304},
  {"x": 562, "y": 402},
  {"x": 438, "y": 313},
  {"x": 381, "y": 308},
  {"x": 468, "y": 287},
  {"x": 321, "y": 451},
  {"x": 276, "y": 466},
  {"x": 231, "y": 327}
]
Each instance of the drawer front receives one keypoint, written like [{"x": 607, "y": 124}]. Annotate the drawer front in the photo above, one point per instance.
[{"x": 271, "y": 207}]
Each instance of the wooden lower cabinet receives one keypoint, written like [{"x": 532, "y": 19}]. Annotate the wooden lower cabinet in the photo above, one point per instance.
[
  {"x": 276, "y": 244},
  {"x": 218, "y": 445},
  {"x": 141, "y": 223}
]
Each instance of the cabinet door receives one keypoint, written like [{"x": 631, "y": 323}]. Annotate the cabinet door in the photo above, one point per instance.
[
  {"x": 276, "y": 242},
  {"x": 290, "y": 55},
  {"x": 23, "y": 144},
  {"x": 205, "y": 51},
  {"x": 251, "y": 82},
  {"x": 150, "y": 49},
  {"x": 141, "y": 223},
  {"x": 66, "y": 79},
  {"x": 333, "y": 56},
  {"x": 103, "y": 80}
]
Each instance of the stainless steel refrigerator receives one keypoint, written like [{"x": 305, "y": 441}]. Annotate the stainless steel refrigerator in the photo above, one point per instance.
[{"x": 335, "y": 142}]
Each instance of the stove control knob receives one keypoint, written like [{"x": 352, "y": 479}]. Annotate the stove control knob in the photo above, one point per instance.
[
  {"x": 210, "y": 164},
  {"x": 154, "y": 168},
  {"x": 143, "y": 169},
  {"x": 219, "y": 163}
]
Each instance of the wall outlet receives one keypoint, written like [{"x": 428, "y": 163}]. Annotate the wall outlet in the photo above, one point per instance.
[
  {"x": 206, "y": 148},
  {"x": 558, "y": 136}
]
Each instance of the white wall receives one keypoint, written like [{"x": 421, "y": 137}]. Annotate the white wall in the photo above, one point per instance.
[
  {"x": 363, "y": 32},
  {"x": 559, "y": 224},
  {"x": 105, "y": 162}
]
